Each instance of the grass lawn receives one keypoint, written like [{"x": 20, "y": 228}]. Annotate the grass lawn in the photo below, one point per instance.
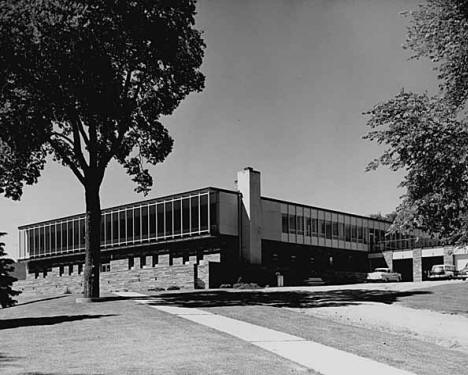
[
  {"x": 272, "y": 310},
  {"x": 57, "y": 336},
  {"x": 447, "y": 298}
]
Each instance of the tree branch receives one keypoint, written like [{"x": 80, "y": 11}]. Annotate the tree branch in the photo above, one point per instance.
[
  {"x": 64, "y": 137},
  {"x": 82, "y": 132},
  {"x": 77, "y": 146},
  {"x": 67, "y": 161}
]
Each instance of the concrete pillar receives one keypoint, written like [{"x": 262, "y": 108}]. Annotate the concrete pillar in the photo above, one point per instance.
[
  {"x": 388, "y": 257},
  {"x": 177, "y": 260},
  {"x": 215, "y": 257},
  {"x": 193, "y": 259},
  {"x": 149, "y": 261},
  {"x": 417, "y": 264},
  {"x": 448, "y": 256},
  {"x": 163, "y": 259},
  {"x": 248, "y": 183}
]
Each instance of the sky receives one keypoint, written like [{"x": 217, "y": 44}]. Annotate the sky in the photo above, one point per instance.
[{"x": 287, "y": 82}]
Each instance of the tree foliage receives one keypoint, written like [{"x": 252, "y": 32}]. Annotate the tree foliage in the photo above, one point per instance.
[
  {"x": 6, "y": 281},
  {"x": 85, "y": 82},
  {"x": 427, "y": 136},
  {"x": 95, "y": 76}
]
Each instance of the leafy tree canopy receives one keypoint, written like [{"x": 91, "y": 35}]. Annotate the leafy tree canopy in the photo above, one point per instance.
[
  {"x": 427, "y": 136},
  {"x": 87, "y": 81}
]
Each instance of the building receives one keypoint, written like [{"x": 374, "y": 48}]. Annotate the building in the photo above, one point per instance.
[{"x": 211, "y": 236}]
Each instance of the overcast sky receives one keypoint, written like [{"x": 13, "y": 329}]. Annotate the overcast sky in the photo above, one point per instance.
[{"x": 286, "y": 84}]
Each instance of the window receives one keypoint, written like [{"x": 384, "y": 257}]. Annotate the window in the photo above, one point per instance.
[
  {"x": 168, "y": 210},
  {"x": 115, "y": 227},
  {"x": 70, "y": 269},
  {"x": 105, "y": 267},
  {"x": 308, "y": 226},
  {"x": 177, "y": 217},
  {"x": 186, "y": 215},
  {"x": 213, "y": 209},
  {"x": 335, "y": 231},
  {"x": 131, "y": 263},
  {"x": 292, "y": 223},
  {"x": 122, "y": 227},
  {"x": 204, "y": 212},
  {"x": 80, "y": 269},
  {"x": 142, "y": 261},
  {"x": 155, "y": 260},
  {"x": 284, "y": 223},
  {"x": 314, "y": 226},
  {"x": 144, "y": 222},
  {"x": 108, "y": 229},
  {"x": 137, "y": 223},
  {"x": 47, "y": 239},
  {"x": 328, "y": 229},
  {"x": 160, "y": 212},
  {"x": 152, "y": 221},
  {"x": 129, "y": 224},
  {"x": 300, "y": 225},
  {"x": 321, "y": 228},
  {"x": 76, "y": 234},
  {"x": 348, "y": 232},
  {"x": 61, "y": 270},
  {"x": 194, "y": 214}
]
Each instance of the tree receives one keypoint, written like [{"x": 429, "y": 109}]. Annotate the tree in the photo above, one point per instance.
[
  {"x": 6, "y": 281},
  {"x": 86, "y": 82},
  {"x": 427, "y": 136},
  {"x": 387, "y": 217}
]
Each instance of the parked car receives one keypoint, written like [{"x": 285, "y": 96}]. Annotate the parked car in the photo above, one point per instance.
[
  {"x": 442, "y": 271},
  {"x": 383, "y": 274},
  {"x": 463, "y": 273}
]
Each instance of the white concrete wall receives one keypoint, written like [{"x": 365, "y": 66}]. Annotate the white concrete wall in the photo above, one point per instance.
[
  {"x": 248, "y": 183},
  {"x": 271, "y": 223},
  {"x": 228, "y": 213}
]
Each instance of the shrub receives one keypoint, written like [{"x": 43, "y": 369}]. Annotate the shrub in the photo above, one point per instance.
[
  {"x": 246, "y": 286},
  {"x": 6, "y": 281}
]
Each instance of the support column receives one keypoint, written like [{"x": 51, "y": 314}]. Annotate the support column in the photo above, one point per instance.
[
  {"x": 417, "y": 264},
  {"x": 388, "y": 257},
  {"x": 448, "y": 256}
]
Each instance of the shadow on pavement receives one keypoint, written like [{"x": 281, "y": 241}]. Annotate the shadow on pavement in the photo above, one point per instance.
[
  {"x": 45, "y": 320},
  {"x": 298, "y": 299},
  {"x": 39, "y": 300}
]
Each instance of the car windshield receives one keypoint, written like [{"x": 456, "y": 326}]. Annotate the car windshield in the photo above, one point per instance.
[
  {"x": 437, "y": 268},
  {"x": 382, "y": 270}
]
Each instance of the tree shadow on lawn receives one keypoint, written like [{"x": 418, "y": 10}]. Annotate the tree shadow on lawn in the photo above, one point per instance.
[
  {"x": 295, "y": 299},
  {"x": 39, "y": 300},
  {"x": 45, "y": 320}
]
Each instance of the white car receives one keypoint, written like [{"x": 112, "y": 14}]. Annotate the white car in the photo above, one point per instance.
[{"x": 383, "y": 274}]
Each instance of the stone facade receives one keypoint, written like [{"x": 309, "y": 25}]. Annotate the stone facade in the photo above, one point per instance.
[
  {"x": 122, "y": 277},
  {"x": 417, "y": 265}
]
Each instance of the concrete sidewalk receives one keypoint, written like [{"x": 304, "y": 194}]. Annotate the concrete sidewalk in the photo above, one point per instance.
[{"x": 312, "y": 355}]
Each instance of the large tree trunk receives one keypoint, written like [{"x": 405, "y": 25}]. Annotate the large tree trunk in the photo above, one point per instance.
[{"x": 92, "y": 240}]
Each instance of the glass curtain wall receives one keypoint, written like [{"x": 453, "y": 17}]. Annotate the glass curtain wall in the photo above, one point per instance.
[
  {"x": 301, "y": 224},
  {"x": 192, "y": 214}
]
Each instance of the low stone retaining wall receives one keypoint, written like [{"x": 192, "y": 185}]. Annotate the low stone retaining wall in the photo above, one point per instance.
[{"x": 162, "y": 276}]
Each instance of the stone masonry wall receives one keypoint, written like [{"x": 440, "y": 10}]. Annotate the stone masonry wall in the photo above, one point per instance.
[
  {"x": 147, "y": 278},
  {"x": 417, "y": 264}
]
